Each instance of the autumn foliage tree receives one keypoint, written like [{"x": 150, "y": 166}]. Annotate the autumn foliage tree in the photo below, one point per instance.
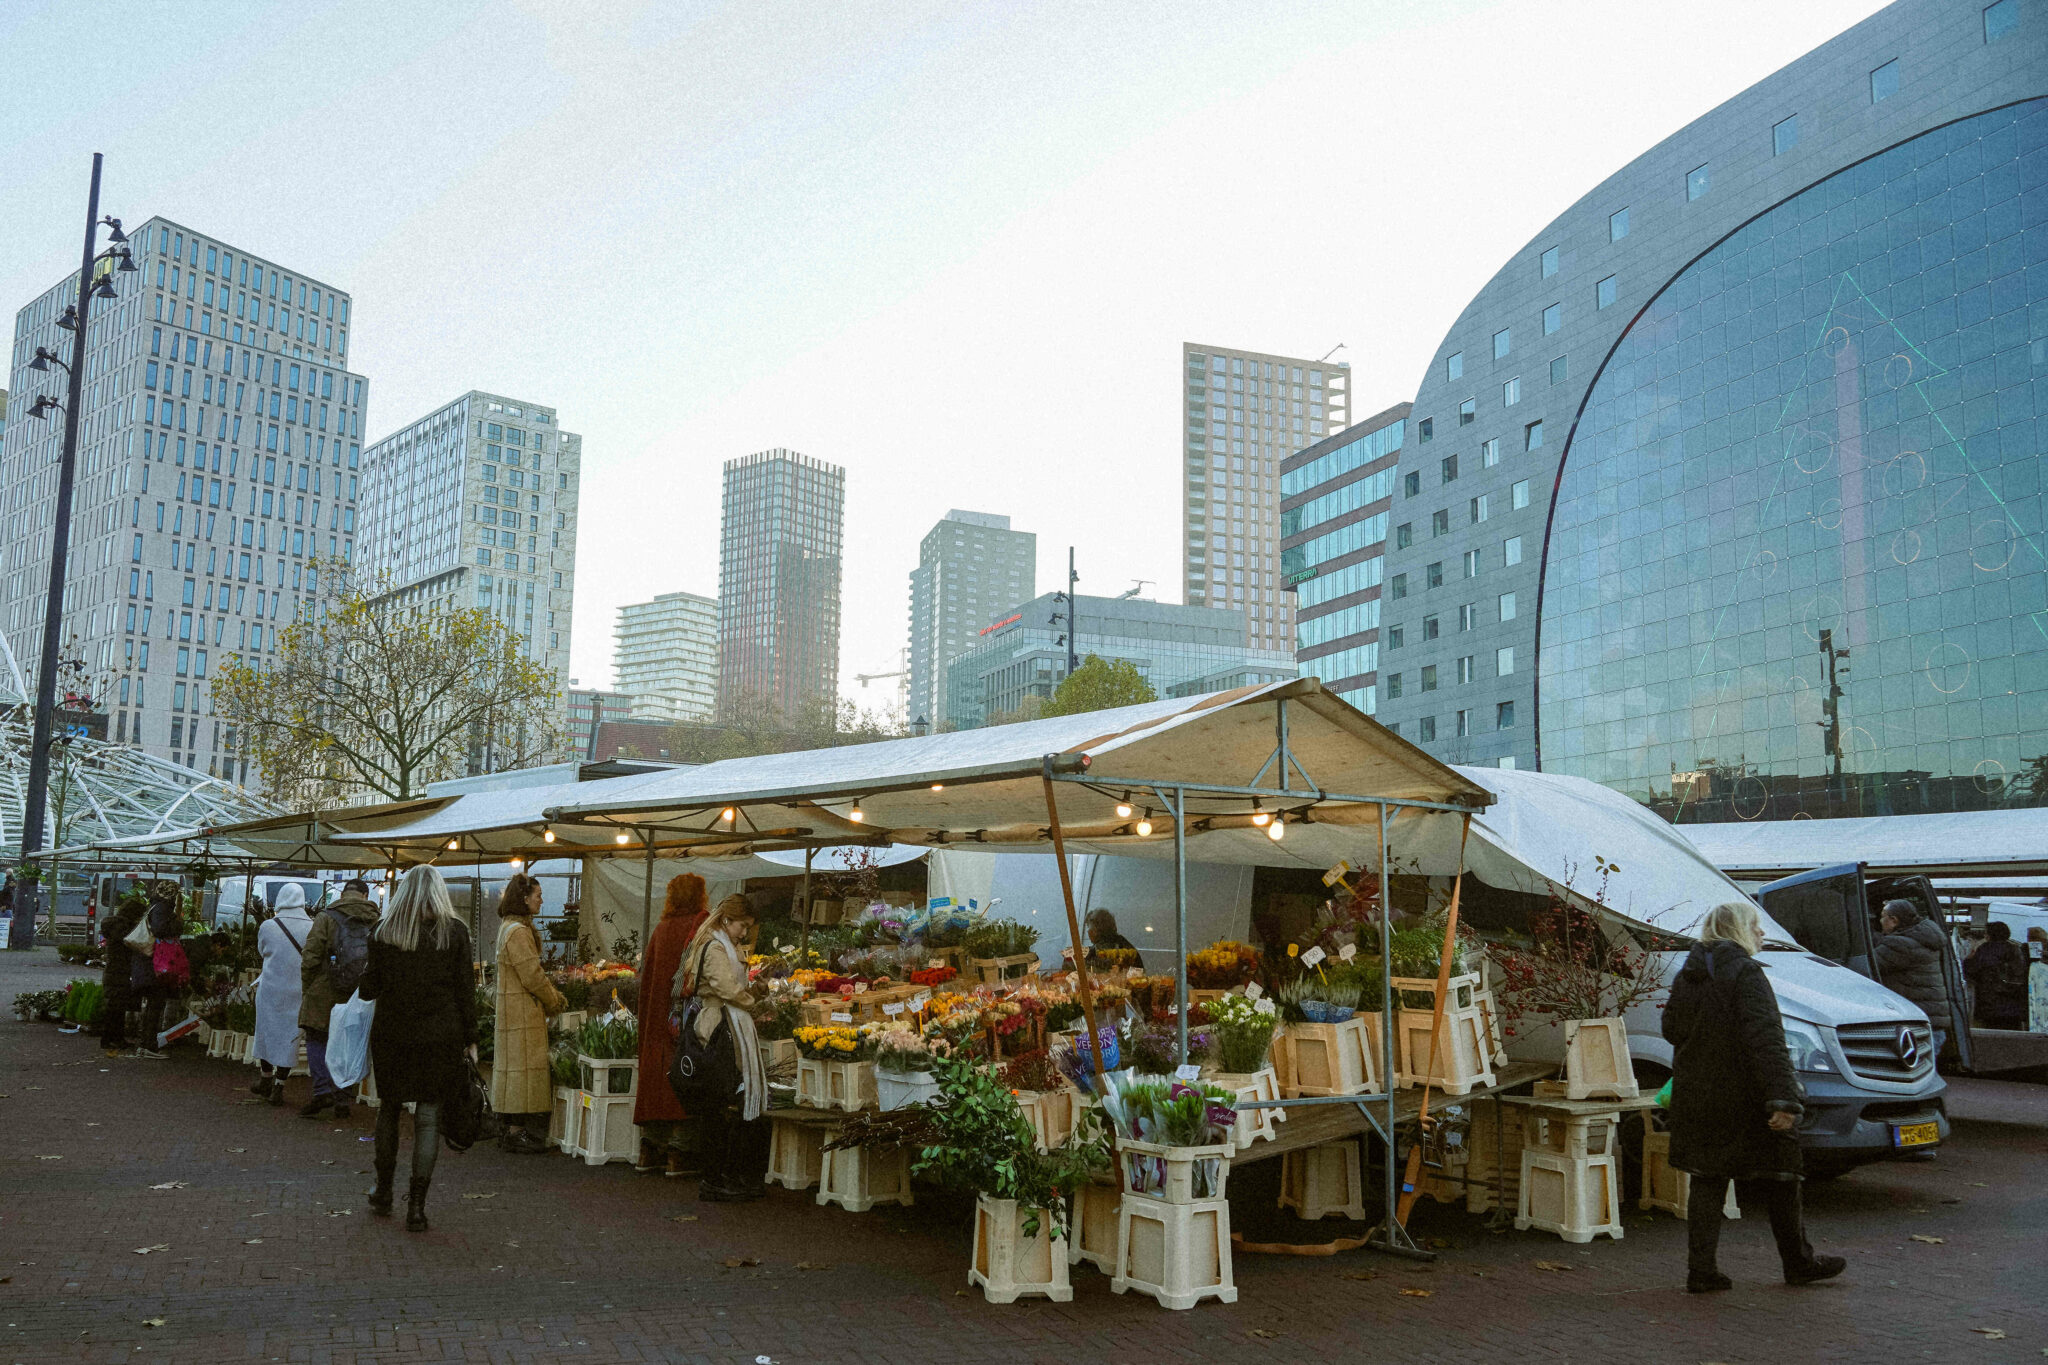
[
  {"x": 367, "y": 699},
  {"x": 1097, "y": 686}
]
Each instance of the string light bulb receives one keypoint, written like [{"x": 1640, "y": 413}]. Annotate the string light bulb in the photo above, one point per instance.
[
  {"x": 1123, "y": 807},
  {"x": 729, "y": 815},
  {"x": 453, "y": 843},
  {"x": 620, "y": 838},
  {"x": 547, "y": 836},
  {"x": 1277, "y": 830},
  {"x": 855, "y": 814},
  {"x": 1260, "y": 816},
  {"x": 1144, "y": 826},
  {"x": 938, "y": 786}
]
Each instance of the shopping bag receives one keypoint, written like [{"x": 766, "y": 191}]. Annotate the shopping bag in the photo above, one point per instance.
[
  {"x": 1664, "y": 1096},
  {"x": 348, "y": 1040},
  {"x": 466, "y": 1115},
  {"x": 140, "y": 939}
]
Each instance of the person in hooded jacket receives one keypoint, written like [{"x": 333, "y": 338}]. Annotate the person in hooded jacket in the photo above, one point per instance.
[
  {"x": 337, "y": 950},
  {"x": 117, "y": 993},
  {"x": 282, "y": 942},
  {"x": 1910, "y": 961},
  {"x": 158, "y": 989},
  {"x": 1735, "y": 1100}
]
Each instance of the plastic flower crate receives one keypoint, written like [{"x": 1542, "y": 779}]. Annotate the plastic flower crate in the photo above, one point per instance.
[
  {"x": 858, "y": 1178},
  {"x": 1007, "y": 1263},
  {"x": 600, "y": 1128},
  {"x": 835, "y": 1085},
  {"x": 1317, "y": 1182},
  {"x": 1252, "y": 1086},
  {"x": 796, "y": 1156},
  {"x": 1050, "y": 1113},
  {"x": 901, "y": 1089},
  {"x": 1174, "y": 1175},
  {"x": 1178, "y": 1254}
]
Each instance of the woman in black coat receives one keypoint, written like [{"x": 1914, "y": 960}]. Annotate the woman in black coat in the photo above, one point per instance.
[
  {"x": 117, "y": 990},
  {"x": 1735, "y": 1101},
  {"x": 420, "y": 975}
]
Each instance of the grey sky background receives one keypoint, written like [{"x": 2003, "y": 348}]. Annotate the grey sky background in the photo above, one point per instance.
[{"x": 954, "y": 248}]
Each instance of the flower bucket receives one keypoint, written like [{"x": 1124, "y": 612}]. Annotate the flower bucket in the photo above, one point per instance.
[
  {"x": 1174, "y": 1175},
  {"x": 901, "y": 1089}
]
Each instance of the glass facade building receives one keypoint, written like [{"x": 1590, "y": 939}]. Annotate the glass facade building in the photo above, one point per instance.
[
  {"x": 1797, "y": 563},
  {"x": 778, "y": 585}
]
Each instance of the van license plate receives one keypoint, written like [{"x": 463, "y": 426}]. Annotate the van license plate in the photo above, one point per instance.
[{"x": 1915, "y": 1134}]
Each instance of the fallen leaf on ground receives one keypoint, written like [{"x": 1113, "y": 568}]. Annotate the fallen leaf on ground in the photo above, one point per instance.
[
  {"x": 253, "y": 1242},
  {"x": 58, "y": 1157},
  {"x": 170, "y": 1185},
  {"x": 160, "y": 1246},
  {"x": 238, "y": 1150},
  {"x": 1978, "y": 1184},
  {"x": 683, "y": 1218},
  {"x": 492, "y": 1195},
  {"x": 146, "y": 1322},
  {"x": 1262, "y": 1332},
  {"x": 1418, "y": 1293},
  {"x": 735, "y": 1262},
  {"x": 1554, "y": 1265},
  {"x": 1923, "y": 1237},
  {"x": 812, "y": 1265},
  {"x": 1361, "y": 1275},
  {"x": 1989, "y": 1333}
]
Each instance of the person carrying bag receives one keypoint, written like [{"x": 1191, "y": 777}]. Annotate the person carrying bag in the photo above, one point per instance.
[{"x": 716, "y": 1071}]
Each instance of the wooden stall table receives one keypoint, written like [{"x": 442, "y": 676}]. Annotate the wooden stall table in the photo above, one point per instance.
[{"x": 1312, "y": 1125}]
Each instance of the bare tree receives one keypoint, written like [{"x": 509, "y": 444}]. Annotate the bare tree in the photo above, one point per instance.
[{"x": 369, "y": 698}]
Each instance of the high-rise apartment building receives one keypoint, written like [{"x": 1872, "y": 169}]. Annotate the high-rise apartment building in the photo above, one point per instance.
[
  {"x": 665, "y": 657},
  {"x": 1247, "y": 411},
  {"x": 474, "y": 505},
  {"x": 970, "y": 567},
  {"x": 778, "y": 583},
  {"x": 218, "y": 454}
]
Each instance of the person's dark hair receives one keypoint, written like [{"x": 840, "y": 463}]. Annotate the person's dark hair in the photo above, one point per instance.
[
  {"x": 357, "y": 885},
  {"x": 1999, "y": 931},
  {"x": 1904, "y": 911},
  {"x": 513, "y": 902},
  {"x": 1101, "y": 924}
]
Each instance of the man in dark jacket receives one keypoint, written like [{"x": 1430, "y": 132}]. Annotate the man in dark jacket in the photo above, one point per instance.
[
  {"x": 117, "y": 993},
  {"x": 1910, "y": 958},
  {"x": 337, "y": 948},
  {"x": 1997, "y": 971}
]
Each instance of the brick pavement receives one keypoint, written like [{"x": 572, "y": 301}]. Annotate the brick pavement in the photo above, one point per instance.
[{"x": 270, "y": 1256}]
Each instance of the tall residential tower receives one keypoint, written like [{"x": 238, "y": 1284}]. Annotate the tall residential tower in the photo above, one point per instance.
[
  {"x": 971, "y": 568},
  {"x": 474, "y": 505},
  {"x": 778, "y": 583},
  {"x": 217, "y": 459},
  {"x": 665, "y": 656},
  {"x": 1245, "y": 412}
]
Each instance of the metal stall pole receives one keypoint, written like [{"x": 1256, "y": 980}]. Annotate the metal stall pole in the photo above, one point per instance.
[
  {"x": 1180, "y": 918},
  {"x": 1387, "y": 1020},
  {"x": 1081, "y": 984},
  {"x": 803, "y": 937},
  {"x": 647, "y": 899}
]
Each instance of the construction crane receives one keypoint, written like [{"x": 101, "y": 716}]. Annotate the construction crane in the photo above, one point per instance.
[
  {"x": 865, "y": 678},
  {"x": 1137, "y": 586}
]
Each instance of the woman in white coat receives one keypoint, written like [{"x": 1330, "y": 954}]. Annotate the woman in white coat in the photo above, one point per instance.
[{"x": 281, "y": 940}]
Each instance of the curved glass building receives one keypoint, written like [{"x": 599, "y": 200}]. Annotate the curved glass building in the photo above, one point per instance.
[{"x": 1727, "y": 492}]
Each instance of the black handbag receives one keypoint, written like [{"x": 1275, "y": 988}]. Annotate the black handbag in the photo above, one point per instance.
[
  {"x": 466, "y": 1115},
  {"x": 702, "y": 1073}
]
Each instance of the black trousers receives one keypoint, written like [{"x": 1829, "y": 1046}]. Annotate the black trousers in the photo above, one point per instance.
[
  {"x": 114, "y": 1015},
  {"x": 1703, "y": 1219},
  {"x": 734, "y": 1151}
]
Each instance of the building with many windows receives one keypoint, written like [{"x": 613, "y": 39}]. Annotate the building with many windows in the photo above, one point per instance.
[
  {"x": 590, "y": 709},
  {"x": 474, "y": 505},
  {"x": 970, "y": 567},
  {"x": 778, "y": 584},
  {"x": 1246, "y": 411},
  {"x": 1181, "y": 651},
  {"x": 218, "y": 458},
  {"x": 1726, "y": 490},
  {"x": 665, "y": 657}
]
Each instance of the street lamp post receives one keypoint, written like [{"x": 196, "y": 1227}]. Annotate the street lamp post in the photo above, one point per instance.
[{"x": 21, "y": 932}]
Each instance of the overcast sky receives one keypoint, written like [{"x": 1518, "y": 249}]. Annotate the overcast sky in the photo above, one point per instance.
[{"x": 953, "y": 248}]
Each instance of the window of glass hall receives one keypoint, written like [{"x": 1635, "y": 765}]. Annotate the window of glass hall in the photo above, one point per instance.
[
  {"x": 1784, "y": 135},
  {"x": 1697, "y": 182},
  {"x": 1884, "y": 82},
  {"x": 1617, "y": 225}
]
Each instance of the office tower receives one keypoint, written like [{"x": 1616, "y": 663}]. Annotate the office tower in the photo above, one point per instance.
[
  {"x": 778, "y": 585},
  {"x": 1720, "y": 491},
  {"x": 1246, "y": 412},
  {"x": 970, "y": 567},
  {"x": 474, "y": 505},
  {"x": 1181, "y": 651},
  {"x": 665, "y": 657},
  {"x": 590, "y": 709},
  {"x": 217, "y": 460}
]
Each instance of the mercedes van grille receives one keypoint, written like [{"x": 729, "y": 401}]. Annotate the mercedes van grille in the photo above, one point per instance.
[{"x": 1898, "y": 1051}]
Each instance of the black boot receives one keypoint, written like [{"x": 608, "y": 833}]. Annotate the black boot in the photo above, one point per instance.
[
  {"x": 380, "y": 1198},
  {"x": 416, "y": 1206}
]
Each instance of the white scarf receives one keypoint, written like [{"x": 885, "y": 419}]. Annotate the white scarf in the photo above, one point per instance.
[{"x": 753, "y": 1080}]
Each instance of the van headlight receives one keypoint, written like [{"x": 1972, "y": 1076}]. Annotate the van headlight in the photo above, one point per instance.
[{"x": 1808, "y": 1046}]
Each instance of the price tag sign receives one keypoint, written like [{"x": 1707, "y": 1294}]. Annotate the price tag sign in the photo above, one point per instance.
[
  {"x": 1190, "y": 1073},
  {"x": 1312, "y": 957},
  {"x": 1348, "y": 951},
  {"x": 1132, "y": 973},
  {"x": 1173, "y": 1009},
  {"x": 936, "y": 962},
  {"x": 1263, "y": 1006},
  {"x": 841, "y": 1018},
  {"x": 1254, "y": 991},
  {"x": 860, "y": 988},
  {"x": 892, "y": 1010},
  {"x": 920, "y": 1002}
]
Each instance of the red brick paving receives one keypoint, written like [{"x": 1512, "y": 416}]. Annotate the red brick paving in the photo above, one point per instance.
[{"x": 270, "y": 1256}]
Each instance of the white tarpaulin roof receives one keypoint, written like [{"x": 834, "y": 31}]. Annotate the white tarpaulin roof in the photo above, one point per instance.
[{"x": 1959, "y": 843}]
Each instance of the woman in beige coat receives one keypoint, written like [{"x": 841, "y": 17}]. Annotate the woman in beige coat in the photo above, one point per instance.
[{"x": 521, "y": 1090}]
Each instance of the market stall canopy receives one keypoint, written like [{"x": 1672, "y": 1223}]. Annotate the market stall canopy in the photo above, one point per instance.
[
  {"x": 303, "y": 839},
  {"x": 1961, "y": 843},
  {"x": 1279, "y": 749}
]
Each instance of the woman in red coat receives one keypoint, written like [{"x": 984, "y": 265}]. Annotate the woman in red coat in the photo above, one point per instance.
[{"x": 661, "y": 1118}]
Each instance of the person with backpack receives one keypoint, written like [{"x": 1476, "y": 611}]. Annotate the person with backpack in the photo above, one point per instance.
[
  {"x": 160, "y": 974},
  {"x": 1997, "y": 971},
  {"x": 116, "y": 973},
  {"x": 282, "y": 942},
  {"x": 337, "y": 950},
  {"x": 420, "y": 978}
]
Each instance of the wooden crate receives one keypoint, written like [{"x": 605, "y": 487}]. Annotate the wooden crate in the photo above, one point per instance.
[
  {"x": 1177, "y": 1253},
  {"x": 1005, "y": 971},
  {"x": 858, "y": 1178},
  {"x": 865, "y": 1008},
  {"x": 1317, "y": 1182},
  {"x": 796, "y": 1156},
  {"x": 1596, "y": 1060},
  {"x": 1007, "y": 1263},
  {"x": 1252, "y": 1125},
  {"x": 1328, "y": 1059}
]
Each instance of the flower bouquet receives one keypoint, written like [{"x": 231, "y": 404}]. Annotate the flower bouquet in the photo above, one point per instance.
[
  {"x": 1176, "y": 1138},
  {"x": 1223, "y": 965}
]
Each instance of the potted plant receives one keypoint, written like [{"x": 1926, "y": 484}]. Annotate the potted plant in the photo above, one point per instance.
[
  {"x": 1223, "y": 966},
  {"x": 1000, "y": 950},
  {"x": 834, "y": 1067},
  {"x": 1174, "y": 1143}
]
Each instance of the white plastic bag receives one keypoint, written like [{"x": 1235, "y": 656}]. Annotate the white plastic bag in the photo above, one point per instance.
[{"x": 348, "y": 1040}]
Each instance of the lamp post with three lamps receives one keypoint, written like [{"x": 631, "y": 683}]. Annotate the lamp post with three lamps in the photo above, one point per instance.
[{"x": 93, "y": 283}]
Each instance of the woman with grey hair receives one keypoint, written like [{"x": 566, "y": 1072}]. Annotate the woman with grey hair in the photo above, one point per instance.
[
  {"x": 421, "y": 977},
  {"x": 1735, "y": 1100}
]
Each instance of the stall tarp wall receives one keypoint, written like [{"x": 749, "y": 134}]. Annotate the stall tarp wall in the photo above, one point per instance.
[{"x": 614, "y": 897}]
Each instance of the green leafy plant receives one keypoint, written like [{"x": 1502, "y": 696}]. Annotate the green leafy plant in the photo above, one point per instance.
[
  {"x": 609, "y": 1038},
  {"x": 979, "y": 1140},
  {"x": 1000, "y": 938}
]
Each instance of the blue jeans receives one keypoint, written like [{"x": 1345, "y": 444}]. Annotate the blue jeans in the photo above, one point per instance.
[{"x": 316, "y": 1062}]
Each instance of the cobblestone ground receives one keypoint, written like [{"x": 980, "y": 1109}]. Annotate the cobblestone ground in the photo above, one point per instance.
[{"x": 264, "y": 1252}]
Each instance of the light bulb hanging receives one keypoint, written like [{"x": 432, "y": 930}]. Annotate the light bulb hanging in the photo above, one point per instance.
[
  {"x": 1277, "y": 830},
  {"x": 855, "y": 814},
  {"x": 1123, "y": 807},
  {"x": 1260, "y": 816},
  {"x": 729, "y": 815},
  {"x": 619, "y": 838},
  {"x": 547, "y": 836},
  {"x": 1144, "y": 826}
]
